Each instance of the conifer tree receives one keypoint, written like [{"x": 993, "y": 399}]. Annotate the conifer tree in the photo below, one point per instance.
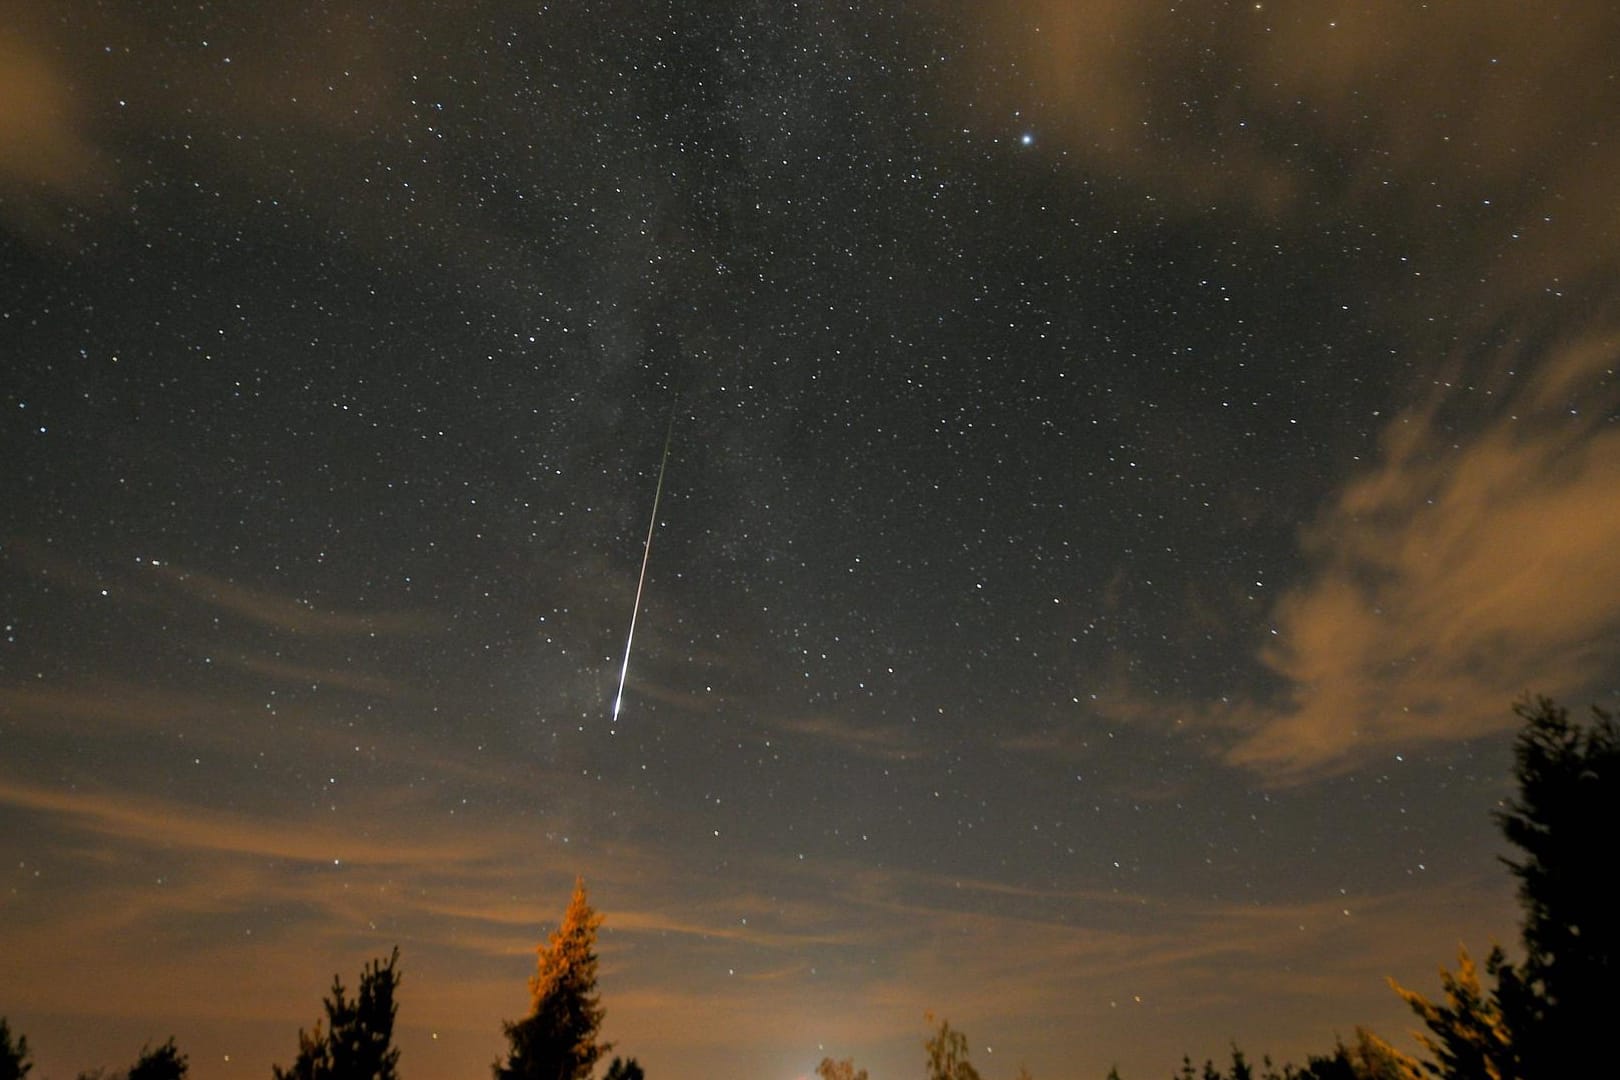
[
  {"x": 14, "y": 1063},
  {"x": 358, "y": 1041},
  {"x": 1371, "y": 1058},
  {"x": 1546, "y": 1018},
  {"x": 164, "y": 1063},
  {"x": 625, "y": 1069},
  {"x": 1468, "y": 1036},
  {"x": 314, "y": 1060},
  {"x": 1561, "y": 998},
  {"x": 558, "y": 1039}
]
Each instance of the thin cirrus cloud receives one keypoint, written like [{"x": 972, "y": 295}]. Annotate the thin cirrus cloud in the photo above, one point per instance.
[
  {"x": 299, "y": 616},
  {"x": 177, "y": 724},
  {"x": 1060, "y": 955},
  {"x": 323, "y": 675},
  {"x": 153, "y": 584},
  {"x": 172, "y": 825},
  {"x": 886, "y": 743},
  {"x": 104, "y": 707}
]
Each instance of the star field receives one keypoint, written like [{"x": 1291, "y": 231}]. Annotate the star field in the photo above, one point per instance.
[{"x": 1123, "y": 465}]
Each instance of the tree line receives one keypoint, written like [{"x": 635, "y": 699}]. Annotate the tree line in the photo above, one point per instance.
[
  {"x": 557, "y": 1040},
  {"x": 1541, "y": 1017}
]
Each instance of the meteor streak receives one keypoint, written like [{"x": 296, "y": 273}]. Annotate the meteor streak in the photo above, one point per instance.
[{"x": 646, "y": 555}]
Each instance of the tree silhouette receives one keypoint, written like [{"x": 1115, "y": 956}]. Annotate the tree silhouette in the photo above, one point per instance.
[
  {"x": 1241, "y": 1069},
  {"x": 557, "y": 1040},
  {"x": 626, "y": 1069},
  {"x": 1546, "y": 1017},
  {"x": 358, "y": 1042},
  {"x": 164, "y": 1063},
  {"x": 14, "y": 1063},
  {"x": 839, "y": 1070},
  {"x": 948, "y": 1054},
  {"x": 314, "y": 1060},
  {"x": 1368, "y": 1058},
  {"x": 1559, "y": 1000},
  {"x": 1469, "y": 1037}
]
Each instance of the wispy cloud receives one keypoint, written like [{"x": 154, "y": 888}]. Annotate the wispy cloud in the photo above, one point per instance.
[
  {"x": 174, "y": 825},
  {"x": 713, "y": 930},
  {"x": 295, "y": 614},
  {"x": 1474, "y": 563},
  {"x": 47, "y": 157},
  {"x": 103, "y": 707},
  {"x": 1244, "y": 105},
  {"x": 154, "y": 584},
  {"x": 885, "y": 742},
  {"x": 324, "y": 676},
  {"x": 851, "y": 953}
]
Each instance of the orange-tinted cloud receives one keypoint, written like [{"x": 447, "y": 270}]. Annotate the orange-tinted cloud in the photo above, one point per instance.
[
  {"x": 1417, "y": 114},
  {"x": 852, "y": 953},
  {"x": 47, "y": 156},
  {"x": 1467, "y": 568},
  {"x": 104, "y": 708}
]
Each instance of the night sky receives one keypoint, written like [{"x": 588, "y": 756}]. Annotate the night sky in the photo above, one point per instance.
[{"x": 1125, "y": 460}]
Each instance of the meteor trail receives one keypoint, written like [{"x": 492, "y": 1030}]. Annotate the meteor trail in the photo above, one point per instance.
[{"x": 646, "y": 554}]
